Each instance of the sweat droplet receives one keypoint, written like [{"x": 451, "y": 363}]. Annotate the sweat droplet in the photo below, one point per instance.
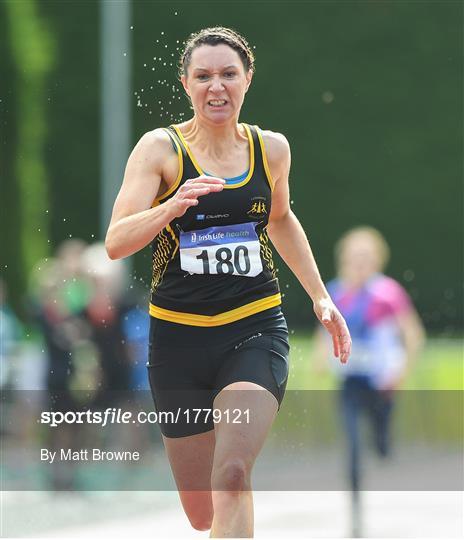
[
  {"x": 327, "y": 97},
  {"x": 408, "y": 275}
]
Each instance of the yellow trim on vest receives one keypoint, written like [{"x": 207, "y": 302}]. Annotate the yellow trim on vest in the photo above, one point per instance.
[
  {"x": 200, "y": 170},
  {"x": 179, "y": 175},
  {"x": 193, "y": 319},
  {"x": 172, "y": 233},
  {"x": 265, "y": 162}
]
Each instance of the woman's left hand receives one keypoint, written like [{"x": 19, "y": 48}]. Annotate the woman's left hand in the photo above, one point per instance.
[{"x": 335, "y": 324}]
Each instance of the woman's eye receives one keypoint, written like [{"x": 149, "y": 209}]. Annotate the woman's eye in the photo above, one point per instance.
[{"x": 204, "y": 76}]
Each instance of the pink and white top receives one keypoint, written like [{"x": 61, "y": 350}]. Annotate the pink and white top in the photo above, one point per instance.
[{"x": 371, "y": 314}]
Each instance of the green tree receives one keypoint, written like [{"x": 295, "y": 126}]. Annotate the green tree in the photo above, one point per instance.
[{"x": 33, "y": 51}]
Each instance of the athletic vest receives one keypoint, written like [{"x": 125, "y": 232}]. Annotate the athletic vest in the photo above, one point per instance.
[{"x": 214, "y": 265}]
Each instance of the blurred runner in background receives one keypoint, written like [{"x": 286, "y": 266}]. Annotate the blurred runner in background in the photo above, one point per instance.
[
  {"x": 10, "y": 333},
  {"x": 59, "y": 292},
  {"x": 387, "y": 335}
]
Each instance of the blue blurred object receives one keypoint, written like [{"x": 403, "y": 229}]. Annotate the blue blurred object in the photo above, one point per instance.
[{"x": 136, "y": 326}]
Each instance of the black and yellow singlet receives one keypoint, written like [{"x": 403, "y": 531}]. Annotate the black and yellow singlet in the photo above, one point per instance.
[{"x": 214, "y": 265}]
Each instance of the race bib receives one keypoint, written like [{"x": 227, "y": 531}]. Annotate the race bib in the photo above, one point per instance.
[{"x": 230, "y": 249}]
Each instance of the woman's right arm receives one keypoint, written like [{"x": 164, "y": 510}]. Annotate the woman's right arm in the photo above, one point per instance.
[{"x": 134, "y": 223}]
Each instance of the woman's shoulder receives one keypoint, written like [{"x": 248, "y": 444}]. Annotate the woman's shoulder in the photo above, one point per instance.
[
  {"x": 154, "y": 145},
  {"x": 384, "y": 283},
  {"x": 276, "y": 146},
  {"x": 388, "y": 290},
  {"x": 276, "y": 141},
  {"x": 156, "y": 137}
]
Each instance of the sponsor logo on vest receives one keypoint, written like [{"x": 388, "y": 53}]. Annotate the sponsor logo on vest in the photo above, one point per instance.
[{"x": 217, "y": 216}]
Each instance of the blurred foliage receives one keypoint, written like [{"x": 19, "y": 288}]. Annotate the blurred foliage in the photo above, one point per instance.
[
  {"x": 439, "y": 367},
  {"x": 430, "y": 401},
  {"x": 369, "y": 95},
  {"x": 32, "y": 51}
]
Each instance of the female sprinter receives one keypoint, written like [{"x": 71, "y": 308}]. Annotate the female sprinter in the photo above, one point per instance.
[
  {"x": 201, "y": 191},
  {"x": 387, "y": 337}
]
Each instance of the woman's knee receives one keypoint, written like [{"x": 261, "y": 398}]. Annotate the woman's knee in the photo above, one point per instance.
[
  {"x": 200, "y": 523},
  {"x": 232, "y": 475}
]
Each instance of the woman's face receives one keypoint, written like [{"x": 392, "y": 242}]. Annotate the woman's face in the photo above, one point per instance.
[
  {"x": 216, "y": 83},
  {"x": 360, "y": 258}
]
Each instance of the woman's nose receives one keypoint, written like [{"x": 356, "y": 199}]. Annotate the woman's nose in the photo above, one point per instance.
[{"x": 216, "y": 84}]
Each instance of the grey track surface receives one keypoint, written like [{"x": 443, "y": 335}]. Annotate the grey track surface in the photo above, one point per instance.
[{"x": 277, "y": 515}]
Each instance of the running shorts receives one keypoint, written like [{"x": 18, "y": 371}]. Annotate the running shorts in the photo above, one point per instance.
[{"x": 189, "y": 365}]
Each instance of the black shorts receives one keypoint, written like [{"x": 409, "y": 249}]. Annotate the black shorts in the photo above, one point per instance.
[{"x": 189, "y": 365}]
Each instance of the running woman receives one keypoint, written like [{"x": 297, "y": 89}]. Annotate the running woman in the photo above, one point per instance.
[
  {"x": 387, "y": 335},
  {"x": 201, "y": 192}
]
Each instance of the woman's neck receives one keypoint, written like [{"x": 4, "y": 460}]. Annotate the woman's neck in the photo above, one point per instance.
[
  {"x": 216, "y": 141},
  {"x": 355, "y": 282}
]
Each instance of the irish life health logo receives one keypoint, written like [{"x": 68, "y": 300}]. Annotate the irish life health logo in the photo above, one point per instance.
[{"x": 194, "y": 237}]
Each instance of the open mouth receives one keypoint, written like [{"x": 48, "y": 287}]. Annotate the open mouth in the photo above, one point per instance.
[{"x": 217, "y": 103}]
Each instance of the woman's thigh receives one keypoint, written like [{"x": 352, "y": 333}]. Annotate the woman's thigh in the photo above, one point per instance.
[
  {"x": 181, "y": 378},
  {"x": 261, "y": 358},
  {"x": 248, "y": 411}
]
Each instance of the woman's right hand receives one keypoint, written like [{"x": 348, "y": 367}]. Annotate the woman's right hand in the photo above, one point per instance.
[{"x": 187, "y": 195}]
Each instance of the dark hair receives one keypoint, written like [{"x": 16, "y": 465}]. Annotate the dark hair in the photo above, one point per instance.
[{"x": 215, "y": 36}]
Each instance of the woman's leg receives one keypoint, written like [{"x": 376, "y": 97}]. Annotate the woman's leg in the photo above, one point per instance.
[
  {"x": 237, "y": 446},
  {"x": 380, "y": 408},
  {"x": 191, "y": 460},
  {"x": 352, "y": 397}
]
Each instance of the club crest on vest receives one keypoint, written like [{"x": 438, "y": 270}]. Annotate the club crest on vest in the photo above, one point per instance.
[{"x": 258, "y": 207}]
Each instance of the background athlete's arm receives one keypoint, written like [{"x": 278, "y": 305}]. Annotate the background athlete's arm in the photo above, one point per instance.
[
  {"x": 289, "y": 238},
  {"x": 134, "y": 223},
  {"x": 413, "y": 335}
]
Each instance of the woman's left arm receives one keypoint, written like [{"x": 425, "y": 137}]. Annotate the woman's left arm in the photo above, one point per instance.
[{"x": 289, "y": 238}]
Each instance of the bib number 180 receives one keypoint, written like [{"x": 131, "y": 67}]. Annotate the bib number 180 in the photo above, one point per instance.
[
  {"x": 227, "y": 261},
  {"x": 225, "y": 250}
]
